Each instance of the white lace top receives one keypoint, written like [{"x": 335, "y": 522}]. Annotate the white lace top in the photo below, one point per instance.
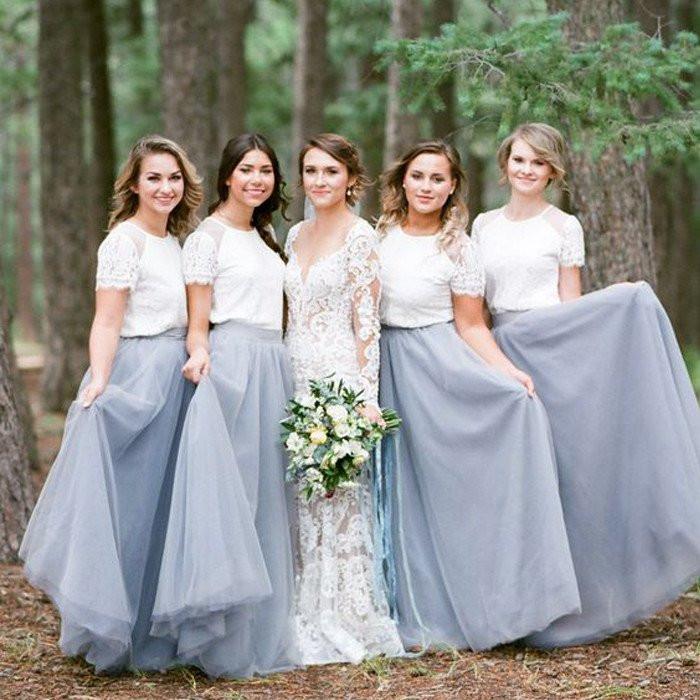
[
  {"x": 419, "y": 278},
  {"x": 333, "y": 324},
  {"x": 150, "y": 267},
  {"x": 246, "y": 275},
  {"x": 522, "y": 258}
]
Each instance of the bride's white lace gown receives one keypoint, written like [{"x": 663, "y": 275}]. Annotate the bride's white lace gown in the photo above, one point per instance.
[{"x": 333, "y": 328}]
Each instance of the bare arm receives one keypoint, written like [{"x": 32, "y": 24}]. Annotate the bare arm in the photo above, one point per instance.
[
  {"x": 471, "y": 327},
  {"x": 569, "y": 283},
  {"x": 110, "y": 305},
  {"x": 198, "y": 310}
]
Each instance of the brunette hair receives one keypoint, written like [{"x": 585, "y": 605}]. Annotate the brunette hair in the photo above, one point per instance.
[
  {"x": 546, "y": 141},
  {"x": 345, "y": 152},
  {"x": 454, "y": 215},
  {"x": 233, "y": 153},
  {"x": 125, "y": 202}
]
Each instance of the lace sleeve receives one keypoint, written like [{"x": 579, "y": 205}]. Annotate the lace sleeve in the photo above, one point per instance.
[
  {"x": 572, "y": 251},
  {"x": 117, "y": 263},
  {"x": 199, "y": 256},
  {"x": 363, "y": 273},
  {"x": 291, "y": 235},
  {"x": 468, "y": 276},
  {"x": 476, "y": 228}
]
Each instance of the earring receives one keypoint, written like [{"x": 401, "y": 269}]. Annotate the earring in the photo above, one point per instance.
[{"x": 349, "y": 192}]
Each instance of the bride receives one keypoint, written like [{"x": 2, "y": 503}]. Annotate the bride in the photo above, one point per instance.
[{"x": 332, "y": 286}]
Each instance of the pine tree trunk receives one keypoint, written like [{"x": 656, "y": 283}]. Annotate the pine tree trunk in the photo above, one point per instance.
[
  {"x": 234, "y": 18},
  {"x": 102, "y": 132},
  {"x": 310, "y": 60},
  {"x": 189, "y": 80},
  {"x": 610, "y": 197},
  {"x": 444, "y": 122},
  {"x": 402, "y": 127},
  {"x": 68, "y": 284},
  {"x": 16, "y": 494},
  {"x": 135, "y": 12}
]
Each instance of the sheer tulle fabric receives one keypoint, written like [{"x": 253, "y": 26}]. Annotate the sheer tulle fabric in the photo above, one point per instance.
[
  {"x": 226, "y": 583},
  {"x": 95, "y": 538},
  {"x": 480, "y": 546},
  {"x": 626, "y": 430}
]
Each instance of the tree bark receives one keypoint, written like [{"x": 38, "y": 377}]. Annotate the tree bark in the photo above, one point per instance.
[
  {"x": 103, "y": 161},
  {"x": 68, "y": 282},
  {"x": 234, "y": 18},
  {"x": 310, "y": 58},
  {"x": 189, "y": 80},
  {"x": 444, "y": 122},
  {"x": 610, "y": 196},
  {"x": 401, "y": 127},
  {"x": 24, "y": 234},
  {"x": 16, "y": 493},
  {"x": 135, "y": 12}
]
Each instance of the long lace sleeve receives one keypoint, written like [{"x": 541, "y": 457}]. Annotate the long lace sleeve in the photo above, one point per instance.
[
  {"x": 363, "y": 273},
  {"x": 468, "y": 277},
  {"x": 199, "y": 256},
  {"x": 117, "y": 263}
]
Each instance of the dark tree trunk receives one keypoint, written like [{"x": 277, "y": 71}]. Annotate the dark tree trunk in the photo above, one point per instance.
[
  {"x": 24, "y": 265},
  {"x": 135, "y": 12},
  {"x": 189, "y": 80},
  {"x": 402, "y": 127},
  {"x": 610, "y": 197},
  {"x": 475, "y": 185},
  {"x": 444, "y": 122},
  {"x": 16, "y": 494},
  {"x": 102, "y": 164},
  {"x": 310, "y": 72},
  {"x": 234, "y": 18},
  {"x": 67, "y": 278}
]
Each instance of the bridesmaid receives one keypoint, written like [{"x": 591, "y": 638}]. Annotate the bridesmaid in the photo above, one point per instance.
[
  {"x": 624, "y": 418},
  {"x": 95, "y": 539},
  {"x": 226, "y": 584},
  {"x": 480, "y": 546}
]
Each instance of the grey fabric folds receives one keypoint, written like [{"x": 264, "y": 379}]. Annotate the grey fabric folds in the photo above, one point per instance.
[
  {"x": 226, "y": 582},
  {"x": 95, "y": 539},
  {"x": 626, "y": 430},
  {"x": 481, "y": 551}
]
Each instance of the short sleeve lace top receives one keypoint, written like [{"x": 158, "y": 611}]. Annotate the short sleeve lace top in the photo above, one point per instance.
[
  {"x": 419, "y": 278},
  {"x": 150, "y": 267},
  {"x": 246, "y": 275},
  {"x": 521, "y": 259}
]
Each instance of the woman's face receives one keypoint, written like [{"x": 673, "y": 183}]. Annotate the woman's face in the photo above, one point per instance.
[
  {"x": 160, "y": 185},
  {"x": 252, "y": 180},
  {"x": 527, "y": 172},
  {"x": 325, "y": 179},
  {"x": 428, "y": 182}
]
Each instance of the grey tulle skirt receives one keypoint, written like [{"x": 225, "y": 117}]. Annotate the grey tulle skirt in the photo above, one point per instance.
[
  {"x": 95, "y": 539},
  {"x": 480, "y": 550},
  {"x": 626, "y": 430},
  {"x": 226, "y": 582}
]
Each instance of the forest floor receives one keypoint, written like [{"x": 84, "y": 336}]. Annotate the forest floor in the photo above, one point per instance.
[{"x": 659, "y": 660}]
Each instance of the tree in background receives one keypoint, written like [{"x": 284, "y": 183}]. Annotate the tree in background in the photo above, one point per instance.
[
  {"x": 66, "y": 243},
  {"x": 189, "y": 80},
  {"x": 16, "y": 494},
  {"x": 401, "y": 127},
  {"x": 310, "y": 58}
]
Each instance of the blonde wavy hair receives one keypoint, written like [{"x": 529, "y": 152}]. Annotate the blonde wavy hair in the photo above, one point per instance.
[
  {"x": 454, "y": 215},
  {"x": 125, "y": 202},
  {"x": 546, "y": 141}
]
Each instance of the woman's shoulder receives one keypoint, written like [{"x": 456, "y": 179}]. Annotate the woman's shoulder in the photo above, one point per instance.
[
  {"x": 362, "y": 230},
  {"x": 485, "y": 219},
  {"x": 124, "y": 239},
  {"x": 562, "y": 222}
]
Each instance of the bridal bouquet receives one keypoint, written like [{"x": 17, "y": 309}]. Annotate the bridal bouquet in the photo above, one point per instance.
[{"x": 328, "y": 439}]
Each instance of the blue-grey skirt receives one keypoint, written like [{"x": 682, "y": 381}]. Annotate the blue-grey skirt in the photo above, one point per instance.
[
  {"x": 480, "y": 550},
  {"x": 626, "y": 429},
  {"x": 226, "y": 582},
  {"x": 95, "y": 539}
]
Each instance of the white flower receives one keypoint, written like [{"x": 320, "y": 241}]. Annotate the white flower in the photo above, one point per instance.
[
  {"x": 361, "y": 458},
  {"x": 337, "y": 413},
  {"x": 355, "y": 447},
  {"x": 309, "y": 450},
  {"x": 313, "y": 474},
  {"x": 342, "y": 448},
  {"x": 305, "y": 400},
  {"x": 341, "y": 429},
  {"x": 318, "y": 435},
  {"x": 295, "y": 442}
]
